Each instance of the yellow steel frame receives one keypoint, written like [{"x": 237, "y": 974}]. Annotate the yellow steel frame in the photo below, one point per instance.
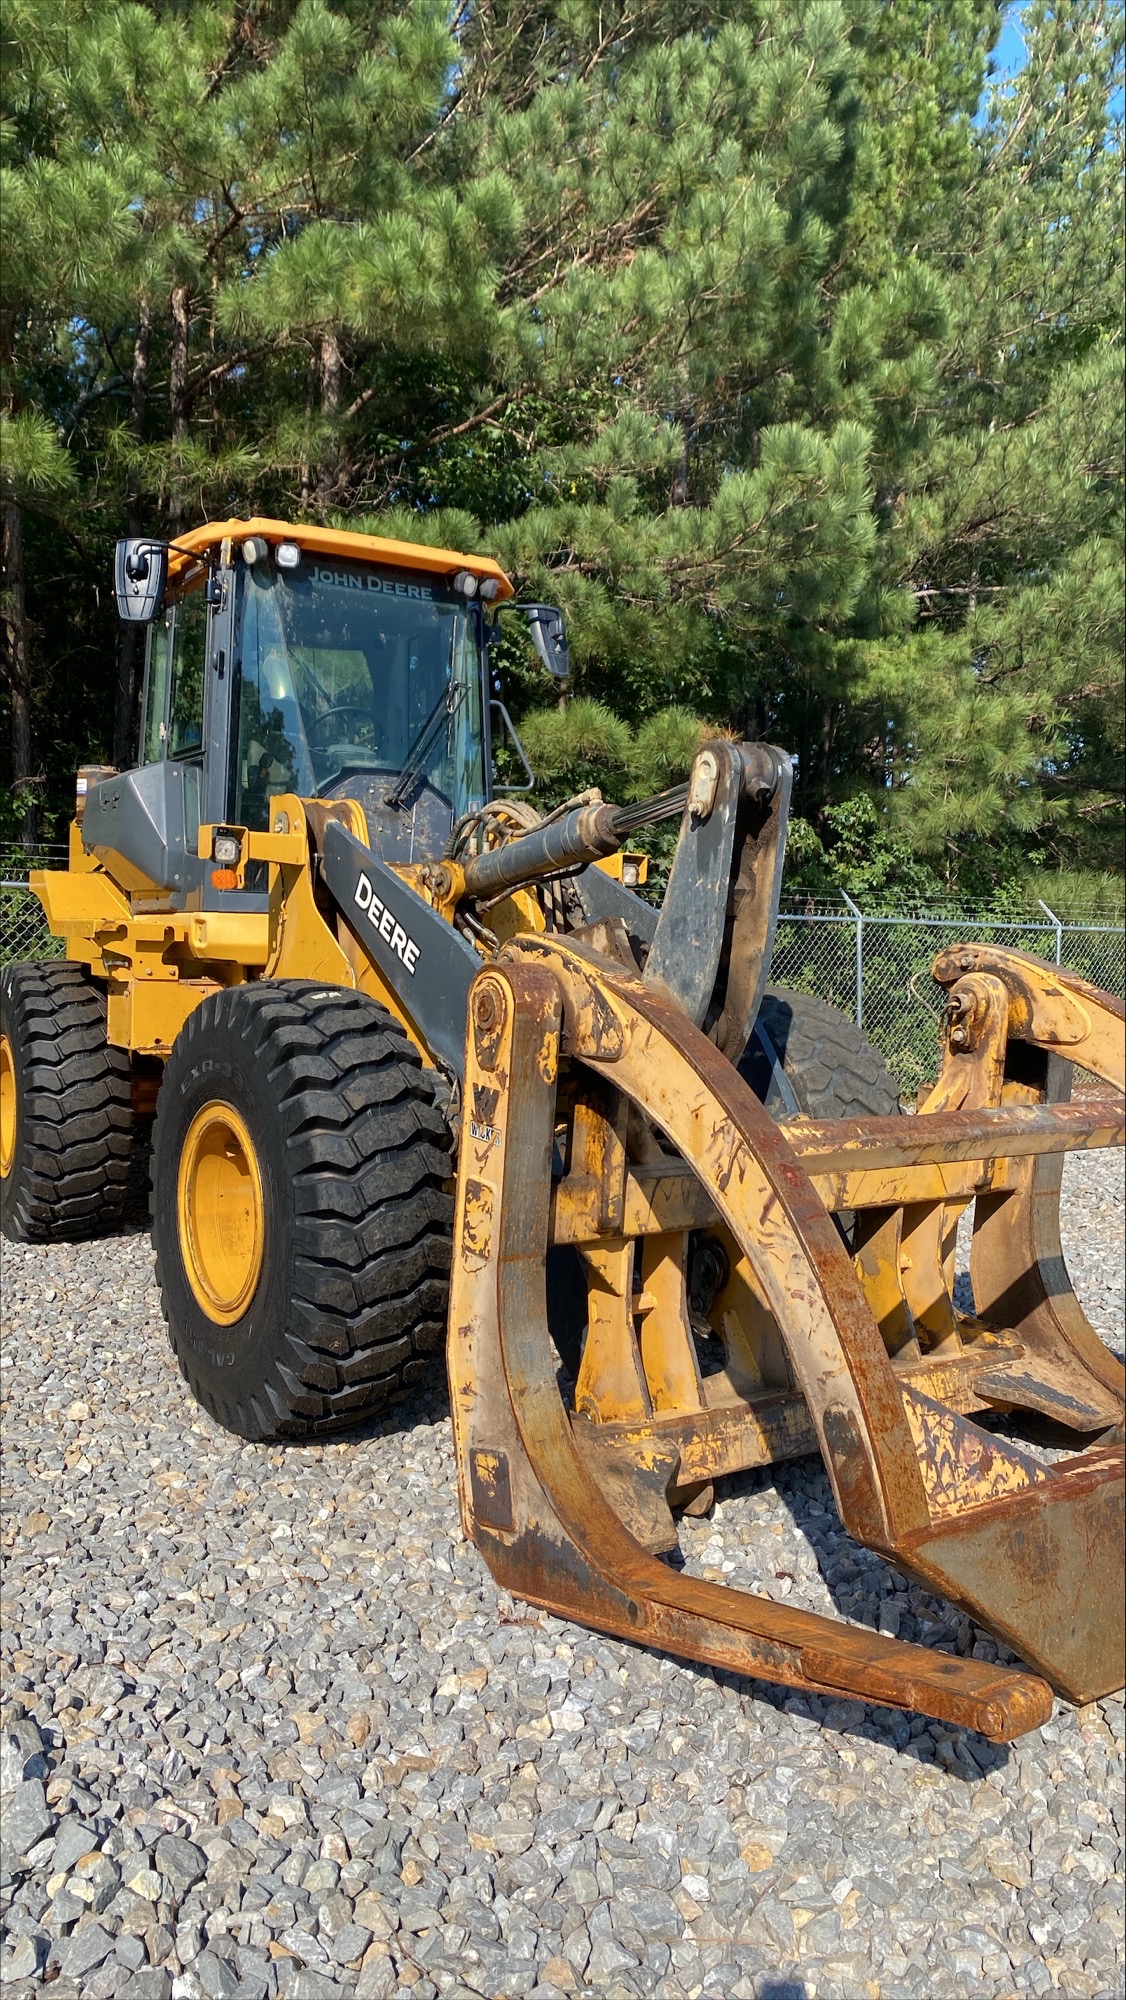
[
  {"x": 571, "y": 1489},
  {"x": 160, "y": 966}
]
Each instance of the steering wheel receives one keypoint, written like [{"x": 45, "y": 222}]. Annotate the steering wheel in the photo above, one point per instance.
[{"x": 314, "y": 727}]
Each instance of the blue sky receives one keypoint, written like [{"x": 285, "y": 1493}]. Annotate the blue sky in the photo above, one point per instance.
[{"x": 1010, "y": 54}]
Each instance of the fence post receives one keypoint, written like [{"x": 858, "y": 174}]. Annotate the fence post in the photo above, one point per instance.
[
  {"x": 1059, "y": 928},
  {"x": 859, "y": 916}
]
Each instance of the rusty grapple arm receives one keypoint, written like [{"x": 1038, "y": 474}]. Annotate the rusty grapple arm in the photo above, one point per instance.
[{"x": 570, "y": 1485}]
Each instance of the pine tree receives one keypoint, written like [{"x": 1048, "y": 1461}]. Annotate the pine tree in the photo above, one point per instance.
[
  {"x": 1004, "y": 699},
  {"x": 795, "y": 379},
  {"x": 66, "y": 230}
]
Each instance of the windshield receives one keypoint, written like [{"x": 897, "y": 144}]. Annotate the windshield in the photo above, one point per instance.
[{"x": 342, "y": 668}]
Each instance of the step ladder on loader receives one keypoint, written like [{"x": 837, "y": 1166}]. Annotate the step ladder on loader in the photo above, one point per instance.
[{"x": 597, "y": 1116}]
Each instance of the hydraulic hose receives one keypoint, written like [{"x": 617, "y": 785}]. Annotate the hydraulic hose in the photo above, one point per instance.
[
  {"x": 589, "y": 833},
  {"x": 586, "y": 834}
]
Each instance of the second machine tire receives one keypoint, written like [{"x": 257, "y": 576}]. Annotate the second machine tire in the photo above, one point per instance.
[
  {"x": 301, "y": 1217},
  {"x": 66, "y": 1113},
  {"x": 811, "y": 1053}
]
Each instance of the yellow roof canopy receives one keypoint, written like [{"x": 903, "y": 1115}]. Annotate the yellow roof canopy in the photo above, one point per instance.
[{"x": 333, "y": 542}]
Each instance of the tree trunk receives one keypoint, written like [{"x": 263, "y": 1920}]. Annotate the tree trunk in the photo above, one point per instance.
[
  {"x": 678, "y": 492},
  {"x": 178, "y": 398},
  {"x": 678, "y": 487},
  {"x": 825, "y": 746},
  {"x": 804, "y": 801},
  {"x": 311, "y": 374},
  {"x": 332, "y": 370},
  {"x": 125, "y": 718},
  {"x": 15, "y": 646}
]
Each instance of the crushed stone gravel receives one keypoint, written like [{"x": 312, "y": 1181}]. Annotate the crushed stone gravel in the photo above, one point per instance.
[{"x": 269, "y": 1728}]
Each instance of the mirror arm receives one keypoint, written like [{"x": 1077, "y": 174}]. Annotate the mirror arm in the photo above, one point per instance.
[
  {"x": 547, "y": 631},
  {"x": 514, "y": 739}
]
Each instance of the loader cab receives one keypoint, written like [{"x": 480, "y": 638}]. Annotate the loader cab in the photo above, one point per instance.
[
  {"x": 299, "y": 660},
  {"x": 356, "y": 680}
]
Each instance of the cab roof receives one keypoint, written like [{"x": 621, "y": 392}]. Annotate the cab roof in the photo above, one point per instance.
[{"x": 332, "y": 542}]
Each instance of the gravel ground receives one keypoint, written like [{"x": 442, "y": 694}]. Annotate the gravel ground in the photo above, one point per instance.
[{"x": 269, "y": 1727}]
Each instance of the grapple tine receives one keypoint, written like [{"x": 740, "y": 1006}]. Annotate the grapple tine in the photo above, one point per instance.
[
  {"x": 911, "y": 1478},
  {"x": 527, "y": 1500},
  {"x": 1054, "y": 1020}
]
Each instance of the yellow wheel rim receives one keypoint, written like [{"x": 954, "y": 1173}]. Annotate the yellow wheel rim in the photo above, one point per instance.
[
  {"x": 7, "y": 1108},
  {"x": 220, "y": 1212}
]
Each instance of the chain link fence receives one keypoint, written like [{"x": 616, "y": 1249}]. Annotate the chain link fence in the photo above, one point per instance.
[
  {"x": 876, "y": 966},
  {"x": 872, "y": 964},
  {"x": 23, "y": 929}
]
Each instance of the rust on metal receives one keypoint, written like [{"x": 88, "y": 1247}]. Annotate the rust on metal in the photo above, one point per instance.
[
  {"x": 1049, "y": 1006},
  {"x": 698, "y": 1220},
  {"x": 856, "y": 1163},
  {"x": 570, "y": 1549},
  {"x": 961, "y": 1463},
  {"x": 946, "y": 1137},
  {"x": 492, "y": 1491}
]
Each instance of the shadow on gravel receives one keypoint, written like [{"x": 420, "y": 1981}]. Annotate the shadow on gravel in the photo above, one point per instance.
[
  {"x": 426, "y": 1403},
  {"x": 804, "y": 1489},
  {"x": 857, "y": 1579}
]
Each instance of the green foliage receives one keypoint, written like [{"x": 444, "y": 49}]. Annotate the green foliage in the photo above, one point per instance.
[
  {"x": 863, "y": 853},
  {"x": 584, "y": 744},
  {"x": 780, "y": 358},
  {"x": 32, "y": 457},
  {"x": 576, "y": 747}
]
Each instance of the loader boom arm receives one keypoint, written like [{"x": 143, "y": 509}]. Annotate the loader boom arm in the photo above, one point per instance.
[{"x": 707, "y": 950}]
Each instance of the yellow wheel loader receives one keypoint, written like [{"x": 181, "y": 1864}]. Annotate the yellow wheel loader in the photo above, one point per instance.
[{"x": 313, "y": 952}]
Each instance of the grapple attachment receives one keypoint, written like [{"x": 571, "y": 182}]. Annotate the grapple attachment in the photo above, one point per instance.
[{"x": 601, "y": 1127}]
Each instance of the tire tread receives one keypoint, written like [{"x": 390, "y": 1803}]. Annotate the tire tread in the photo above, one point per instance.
[
  {"x": 368, "y": 1160},
  {"x": 832, "y": 1067},
  {"x": 76, "y": 1113}
]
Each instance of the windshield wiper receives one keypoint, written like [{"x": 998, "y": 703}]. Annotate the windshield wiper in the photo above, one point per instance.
[{"x": 443, "y": 712}]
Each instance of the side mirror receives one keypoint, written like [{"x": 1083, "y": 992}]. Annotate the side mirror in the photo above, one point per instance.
[
  {"x": 549, "y": 637},
  {"x": 140, "y": 572}
]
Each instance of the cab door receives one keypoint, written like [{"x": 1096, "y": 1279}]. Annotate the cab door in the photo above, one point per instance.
[
  {"x": 175, "y": 697},
  {"x": 144, "y": 824}
]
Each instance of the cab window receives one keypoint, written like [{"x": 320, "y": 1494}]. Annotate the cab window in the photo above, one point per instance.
[
  {"x": 174, "y": 682},
  {"x": 272, "y": 752},
  {"x": 156, "y": 690},
  {"x": 189, "y": 654},
  {"x": 345, "y": 671}
]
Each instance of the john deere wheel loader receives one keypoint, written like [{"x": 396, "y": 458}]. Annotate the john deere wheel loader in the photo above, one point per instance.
[{"x": 690, "y": 1234}]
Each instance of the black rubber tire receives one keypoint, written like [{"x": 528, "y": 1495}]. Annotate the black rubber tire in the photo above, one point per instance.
[
  {"x": 354, "y": 1157},
  {"x": 829, "y": 1064},
  {"x": 69, "y": 1175}
]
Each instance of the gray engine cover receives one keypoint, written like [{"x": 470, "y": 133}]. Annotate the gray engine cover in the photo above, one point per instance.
[{"x": 150, "y": 818}]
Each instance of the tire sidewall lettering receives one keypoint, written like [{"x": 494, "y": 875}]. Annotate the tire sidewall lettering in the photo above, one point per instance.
[
  {"x": 231, "y": 1353},
  {"x": 355, "y": 1242}
]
